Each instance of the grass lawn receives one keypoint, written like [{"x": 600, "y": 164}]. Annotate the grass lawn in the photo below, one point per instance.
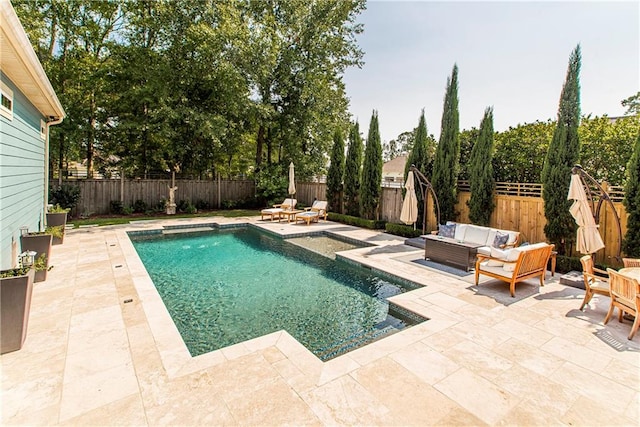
[{"x": 125, "y": 219}]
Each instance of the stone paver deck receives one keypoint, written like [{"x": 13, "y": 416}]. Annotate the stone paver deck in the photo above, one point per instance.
[{"x": 482, "y": 358}]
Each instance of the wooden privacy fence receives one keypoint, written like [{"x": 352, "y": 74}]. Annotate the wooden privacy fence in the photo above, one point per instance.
[
  {"x": 519, "y": 213},
  {"x": 96, "y": 195},
  {"x": 518, "y": 206}
]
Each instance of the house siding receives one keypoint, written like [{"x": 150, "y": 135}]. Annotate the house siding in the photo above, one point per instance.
[{"x": 22, "y": 174}]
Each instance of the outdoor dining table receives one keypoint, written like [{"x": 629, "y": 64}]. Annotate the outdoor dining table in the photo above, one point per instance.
[{"x": 633, "y": 272}]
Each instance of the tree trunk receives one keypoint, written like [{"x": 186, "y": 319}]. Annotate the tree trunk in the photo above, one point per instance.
[
  {"x": 91, "y": 137},
  {"x": 259, "y": 147}
]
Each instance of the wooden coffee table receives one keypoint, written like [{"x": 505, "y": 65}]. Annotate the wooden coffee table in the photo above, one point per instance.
[
  {"x": 290, "y": 214},
  {"x": 445, "y": 250}
]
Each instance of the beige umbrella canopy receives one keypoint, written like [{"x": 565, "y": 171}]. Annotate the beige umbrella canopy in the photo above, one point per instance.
[
  {"x": 588, "y": 238},
  {"x": 292, "y": 182},
  {"x": 409, "y": 213}
]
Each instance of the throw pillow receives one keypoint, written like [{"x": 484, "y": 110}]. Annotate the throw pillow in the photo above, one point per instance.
[
  {"x": 446, "y": 230},
  {"x": 500, "y": 240}
]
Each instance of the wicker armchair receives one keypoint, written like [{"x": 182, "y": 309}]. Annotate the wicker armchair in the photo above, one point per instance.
[{"x": 593, "y": 284}]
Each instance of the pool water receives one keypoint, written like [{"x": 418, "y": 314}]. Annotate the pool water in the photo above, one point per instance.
[{"x": 227, "y": 286}]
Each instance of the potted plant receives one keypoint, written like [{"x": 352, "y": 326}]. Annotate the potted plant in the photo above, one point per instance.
[
  {"x": 16, "y": 287},
  {"x": 56, "y": 222},
  {"x": 40, "y": 243},
  {"x": 57, "y": 234},
  {"x": 41, "y": 267}
]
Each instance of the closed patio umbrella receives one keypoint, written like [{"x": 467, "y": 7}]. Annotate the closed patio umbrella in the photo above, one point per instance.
[
  {"x": 409, "y": 213},
  {"x": 292, "y": 182},
  {"x": 588, "y": 237}
]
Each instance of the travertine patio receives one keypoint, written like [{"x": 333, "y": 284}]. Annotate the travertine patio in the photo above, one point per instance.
[{"x": 482, "y": 358}]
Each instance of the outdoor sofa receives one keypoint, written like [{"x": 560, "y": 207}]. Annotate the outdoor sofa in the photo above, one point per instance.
[
  {"x": 515, "y": 265},
  {"x": 486, "y": 236}
]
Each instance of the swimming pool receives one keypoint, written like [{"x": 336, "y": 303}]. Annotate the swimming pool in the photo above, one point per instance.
[{"x": 227, "y": 286}]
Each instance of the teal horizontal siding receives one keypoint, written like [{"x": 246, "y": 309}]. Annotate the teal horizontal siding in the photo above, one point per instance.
[{"x": 22, "y": 177}]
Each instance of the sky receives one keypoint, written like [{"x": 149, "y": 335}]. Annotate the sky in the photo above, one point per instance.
[{"x": 512, "y": 55}]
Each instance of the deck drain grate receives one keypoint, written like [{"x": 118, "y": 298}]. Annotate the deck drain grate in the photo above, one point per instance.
[
  {"x": 127, "y": 301},
  {"x": 612, "y": 341}
]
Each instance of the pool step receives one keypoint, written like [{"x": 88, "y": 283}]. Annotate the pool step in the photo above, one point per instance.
[{"x": 356, "y": 341}]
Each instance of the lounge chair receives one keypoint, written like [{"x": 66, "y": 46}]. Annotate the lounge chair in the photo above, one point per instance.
[
  {"x": 276, "y": 209},
  {"x": 317, "y": 210},
  {"x": 521, "y": 263}
]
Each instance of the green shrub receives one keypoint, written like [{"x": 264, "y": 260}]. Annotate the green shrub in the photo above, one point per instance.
[
  {"x": 66, "y": 196},
  {"x": 229, "y": 204},
  {"x": 358, "y": 222},
  {"x": 565, "y": 264},
  {"x": 116, "y": 208},
  {"x": 139, "y": 206},
  {"x": 202, "y": 204},
  {"x": 402, "y": 230}
]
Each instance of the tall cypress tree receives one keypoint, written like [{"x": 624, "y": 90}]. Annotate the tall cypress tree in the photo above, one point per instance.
[
  {"x": 481, "y": 178},
  {"x": 447, "y": 161},
  {"x": 631, "y": 242},
  {"x": 372, "y": 170},
  {"x": 352, "y": 173},
  {"x": 562, "y": 155},
  {"x": 419, "y": 156},
  {"x": 336, "y": 173}
]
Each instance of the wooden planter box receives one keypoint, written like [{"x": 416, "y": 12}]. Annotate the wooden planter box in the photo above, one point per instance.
[
  {"x": 41, "y": 244},
  {"x": 15, "y": 303},
  {"x": 55, "y": 220}
]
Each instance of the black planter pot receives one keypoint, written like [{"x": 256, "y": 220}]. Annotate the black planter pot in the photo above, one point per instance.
[
  {"x": 56, "y": 220},
  {"x": 41, "y": 244},
  {"x": 15, "y": 303}
]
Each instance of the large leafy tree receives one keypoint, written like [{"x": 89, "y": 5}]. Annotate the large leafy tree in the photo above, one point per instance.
[
  {"x": 372, "y": 170},
  {"x": 632, "y": 103},
  {"x": 336, "y": 173},
  {"x": 421, "y": 156},
  {"x": 352, "y": 173},
  {"x": 206, "y": 86},
  {"x": 631, "y": 242},
  {"x": 606, "y": 146},
  {"x": 447, "y": 161},
  {"x": 562, "y": 155},
  {"x": 481, "y": 203},
  {"x": 297, "y": 52},
  {"x": 520, "y": 152}
]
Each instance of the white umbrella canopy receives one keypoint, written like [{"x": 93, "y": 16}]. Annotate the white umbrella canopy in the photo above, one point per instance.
[
  {"x": 588, "y": 237},
  {"x": 409, "y": 213},
  {"x": 292, "y": 182}
]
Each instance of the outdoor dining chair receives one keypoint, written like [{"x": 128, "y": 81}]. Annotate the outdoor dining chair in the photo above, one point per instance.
[
  {"x": 631, "y": 262},
  {"x": 593, "y": 284},
  {"x": 625, "y": 294}
]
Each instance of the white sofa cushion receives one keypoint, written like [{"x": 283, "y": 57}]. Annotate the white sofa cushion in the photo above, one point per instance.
[
  {"x": 514, "y": 254},
  {"x": 499, "y": 254},
  {"x": 476, "y": 234},
  {"x": 460, "y": 232}
]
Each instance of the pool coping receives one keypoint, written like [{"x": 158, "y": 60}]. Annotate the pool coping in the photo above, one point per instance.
[{"x": 175, "y": 356}]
